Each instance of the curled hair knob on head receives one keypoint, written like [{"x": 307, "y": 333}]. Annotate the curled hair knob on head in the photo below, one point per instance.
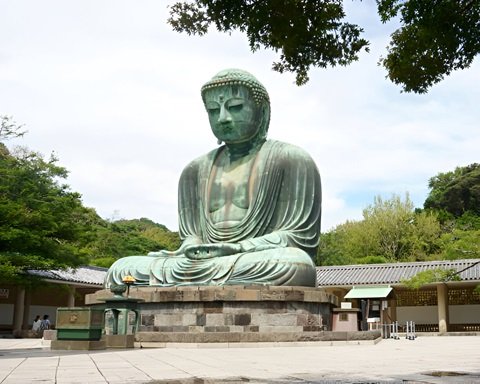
[{"x": 238, "y": 77}]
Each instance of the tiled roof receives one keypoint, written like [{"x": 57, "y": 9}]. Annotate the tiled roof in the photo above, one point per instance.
[
  {"x": 347, "y": 275},
  {"x": 82, "y": 275}
]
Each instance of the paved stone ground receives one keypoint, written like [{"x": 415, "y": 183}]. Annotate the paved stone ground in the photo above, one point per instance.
[{"x": 449, "y": 359}]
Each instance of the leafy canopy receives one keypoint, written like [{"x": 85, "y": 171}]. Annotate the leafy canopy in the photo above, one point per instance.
[
  {"x": 435, "y": 37},
  {"x": 430, "y": 276},
  {"x": 307, "y": 33},
  {"x": 456, "y": 192},
  {"x": 41, "y": 220}
]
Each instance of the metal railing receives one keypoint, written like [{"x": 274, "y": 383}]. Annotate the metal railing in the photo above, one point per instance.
[
  {"x": 391, "y": 330},
  {"x": 410, "y": 330}
]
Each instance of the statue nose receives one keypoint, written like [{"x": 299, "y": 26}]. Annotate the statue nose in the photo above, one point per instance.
[{"x": 224, "y": 116}]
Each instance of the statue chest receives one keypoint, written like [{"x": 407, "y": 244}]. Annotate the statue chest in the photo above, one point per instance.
[{"x": 229, "y": 190}]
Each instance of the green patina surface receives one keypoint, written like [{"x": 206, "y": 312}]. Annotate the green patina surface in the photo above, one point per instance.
[{"x": 249, "y": 210}]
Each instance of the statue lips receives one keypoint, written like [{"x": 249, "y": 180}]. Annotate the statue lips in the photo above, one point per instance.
[{"x": 226, "y": 128}]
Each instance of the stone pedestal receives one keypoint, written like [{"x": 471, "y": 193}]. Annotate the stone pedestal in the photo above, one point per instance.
[
  {"x": 119, "y": 341},
  {"x": 78, "y": 345},
  {"x": 229, "y": 313}
]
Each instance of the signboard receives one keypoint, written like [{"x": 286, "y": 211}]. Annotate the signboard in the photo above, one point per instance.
[{"x": 4, "y": 293}]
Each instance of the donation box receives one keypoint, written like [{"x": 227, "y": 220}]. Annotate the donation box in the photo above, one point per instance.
[{"x": 79, "y": 323}]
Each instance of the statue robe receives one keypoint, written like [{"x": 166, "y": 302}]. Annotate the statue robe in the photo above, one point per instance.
[{"x": 279, "y": 233}]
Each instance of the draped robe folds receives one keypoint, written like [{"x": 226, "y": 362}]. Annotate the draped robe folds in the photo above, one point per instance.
[{"x": 279, "y": 233}]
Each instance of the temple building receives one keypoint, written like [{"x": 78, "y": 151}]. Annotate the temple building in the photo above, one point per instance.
[{"x": 452, "y": 306}]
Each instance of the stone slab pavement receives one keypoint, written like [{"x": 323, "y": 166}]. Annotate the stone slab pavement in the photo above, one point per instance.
[{"x": 442, "y": 359}]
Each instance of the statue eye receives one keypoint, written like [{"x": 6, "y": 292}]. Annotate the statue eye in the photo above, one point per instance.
[
  {"x": 213, "y": 110},
  {"x": 235, "y": 105},
  {"x": 212, "y": 107},
  {"x": 235, "y": 108}
]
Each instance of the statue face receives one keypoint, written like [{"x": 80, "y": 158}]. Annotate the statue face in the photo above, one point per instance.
[{"x": 233, "y": 114}]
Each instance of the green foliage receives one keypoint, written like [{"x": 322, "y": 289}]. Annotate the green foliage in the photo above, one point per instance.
[
  {"x": 390, "y": 231},
  {"x": 41, "y": 220},
  {"x": 468, "y": 221},
  {"x": 461, "y": 244},
  {"x": 307, "y": 33},
  {"x": 457, "y": 192},
  {"x": 44, "y": 225},
  {"x": 9, "y": 129},
  {"x": 431, "y": 276},
  {"x": 129, "y": 237},
  {"x": 372, "y": 260},
  {"x": 435, "y": 38},
  {"x": 393, "y": 230},
  {"x": 104, "y": 262},
  {"x": 331, "y": 250}
]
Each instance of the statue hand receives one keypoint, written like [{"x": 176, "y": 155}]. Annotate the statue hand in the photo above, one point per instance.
[
  {"x": 165, "y": 253},
  {"x": 188, "y": 242},
  {"x": 208, "y": 251}
]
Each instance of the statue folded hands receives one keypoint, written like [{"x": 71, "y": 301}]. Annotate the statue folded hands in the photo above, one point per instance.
[{"x": 249, "y": 211}]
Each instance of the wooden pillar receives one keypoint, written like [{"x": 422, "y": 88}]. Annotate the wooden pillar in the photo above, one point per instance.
[
  {"x": 71, "y": 297},
  {"x": 26, "y": 311},
  {"x": 442, "y": 304},
  {"x": 19, "y": 311},
  {"x": 393, "y": 309}
]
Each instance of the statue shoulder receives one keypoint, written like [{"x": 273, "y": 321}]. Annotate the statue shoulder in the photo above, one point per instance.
[
  {"x": 200, "y": 163},
  {"x": 281, "y": 150}
]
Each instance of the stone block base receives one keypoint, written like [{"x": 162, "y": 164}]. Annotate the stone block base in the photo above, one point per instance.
[
  {"x": 49, "y": 334},
  {"x": 78, "y": 345},
  {"x": 229, "y": 314},
  {"x": 119, "y": 341},
  {"x": 150, "y": 338}
]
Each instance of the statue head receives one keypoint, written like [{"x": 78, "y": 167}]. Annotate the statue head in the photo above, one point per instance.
[{"x": 238, "y": 107}]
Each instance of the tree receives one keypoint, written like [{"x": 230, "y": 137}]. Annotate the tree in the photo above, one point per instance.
[
  {"x": 122, "y": 238},
  {"x": 461, "y": 244},
  {"x": 434, "y": 39},
  {"x": 308, "y": 33},
  {"x": 456, "y": 192},
  {"x": 41, "y": 220},
  {"x": 390, "y": 231},
  {"x": 430, "y": 276},
  {"x": 9, "y": 129}
]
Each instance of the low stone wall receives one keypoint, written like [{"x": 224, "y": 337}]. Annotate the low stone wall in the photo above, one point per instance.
[
  {"x": 153, "y": 338},
  {"x": 229, "y": 313}
]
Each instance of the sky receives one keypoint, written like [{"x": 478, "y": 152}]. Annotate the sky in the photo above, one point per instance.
[{"x": 114, "y": 93}]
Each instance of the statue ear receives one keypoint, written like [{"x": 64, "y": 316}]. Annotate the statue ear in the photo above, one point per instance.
[{"x": 265, "y": 118}]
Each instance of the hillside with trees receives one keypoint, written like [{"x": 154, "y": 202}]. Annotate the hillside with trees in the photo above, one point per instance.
[
  {"x": 44, "y": 224},
  {"x": 393, "y": 230}
]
